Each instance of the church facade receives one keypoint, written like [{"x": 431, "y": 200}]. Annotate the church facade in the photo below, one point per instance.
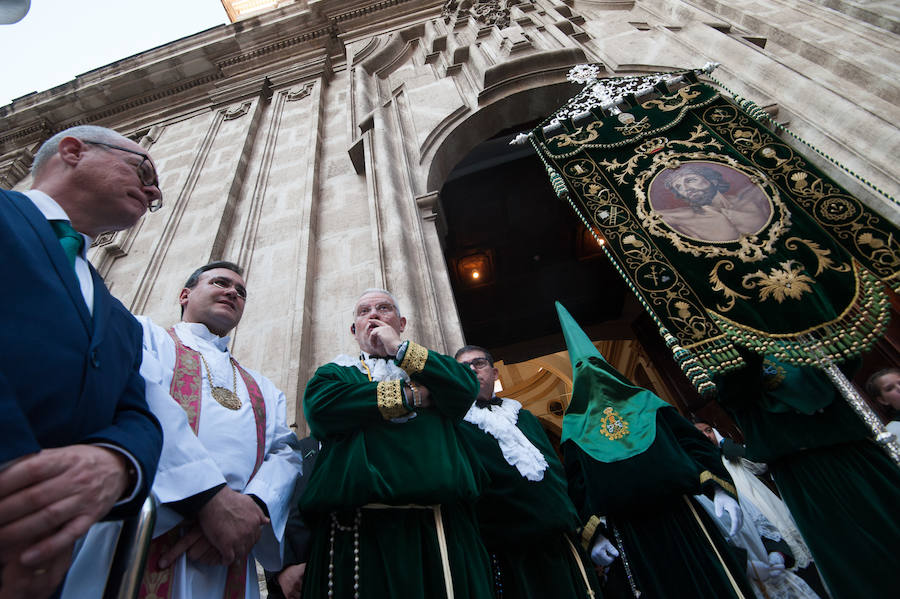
[{"x": 311, "y": 142}]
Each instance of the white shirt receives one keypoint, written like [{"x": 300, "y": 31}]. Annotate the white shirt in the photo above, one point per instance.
[{"x": 53, "y": 211}]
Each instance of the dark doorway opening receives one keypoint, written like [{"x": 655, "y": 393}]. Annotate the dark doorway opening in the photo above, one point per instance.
[{"x": 513, "y": 248}]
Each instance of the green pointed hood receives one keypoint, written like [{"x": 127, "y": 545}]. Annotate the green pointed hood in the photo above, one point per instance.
[{"x": 608, "y": 417}]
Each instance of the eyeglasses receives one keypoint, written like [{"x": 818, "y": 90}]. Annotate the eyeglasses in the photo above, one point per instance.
[
  {"x": 478, "y": 363},
  {"x": 382, "y": 309},
  {"x": 226, "y": 284},
  {"x": 145, "y": 171}
]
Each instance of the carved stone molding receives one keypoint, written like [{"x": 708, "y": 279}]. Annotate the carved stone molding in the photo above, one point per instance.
[
  {"x": 14, "y": 167},
  {"x": 298, "y": 94},
  {"x": 229, "y": 114},
  {"x": 487, "y": 12},
  {"x": 104, "y": 239}
]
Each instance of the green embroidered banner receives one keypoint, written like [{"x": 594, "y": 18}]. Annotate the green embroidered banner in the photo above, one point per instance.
[{"x": 726, "y": 233}]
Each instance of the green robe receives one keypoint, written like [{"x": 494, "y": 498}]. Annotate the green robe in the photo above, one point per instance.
[
  {"x": 841, "y": 489},
  {"x": 647, "y": 499},
  {"x": 524, "y": 523},
  {"x": 366, "y": 459}
]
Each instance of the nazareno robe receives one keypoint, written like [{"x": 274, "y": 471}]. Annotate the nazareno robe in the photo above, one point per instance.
[
  {"x": 842, "y": 490},
  {"x": 379, "y": 473},
  {"x": 647, "y": 498},
  {"x": 524, "y": 523}
]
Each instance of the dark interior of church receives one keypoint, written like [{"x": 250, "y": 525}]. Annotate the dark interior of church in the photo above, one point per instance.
[{"x": 513, "y": 248}]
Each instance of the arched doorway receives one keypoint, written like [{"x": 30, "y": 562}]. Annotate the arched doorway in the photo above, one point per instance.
[{"x": 512, "y": 248}]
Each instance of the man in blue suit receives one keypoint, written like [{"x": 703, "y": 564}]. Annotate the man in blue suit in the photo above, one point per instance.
[{"x": 79, "y": 443}]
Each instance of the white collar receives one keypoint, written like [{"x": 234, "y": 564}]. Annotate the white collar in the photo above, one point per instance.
[
  {"x": 500, "y": 423},
  {"x": 200, "y": 332},
  {"x": 379, "y": 369}
]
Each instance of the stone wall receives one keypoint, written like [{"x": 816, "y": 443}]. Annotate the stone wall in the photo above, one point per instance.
[{"x": 310, "y": 143}]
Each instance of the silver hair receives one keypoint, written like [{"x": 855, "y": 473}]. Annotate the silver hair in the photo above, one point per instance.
[
  {"x": 377, "y": 290},
  {"x": 83, "y": 132}
]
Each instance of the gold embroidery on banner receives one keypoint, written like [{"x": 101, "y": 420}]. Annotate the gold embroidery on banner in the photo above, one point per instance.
[
  {"x": 823, "y": 257},
  {"x": 579, "y": 136},
  {"x": 613, "y": 426},
  {"x": 706, "y": 475},
  {"x": 651, "y": 146},
  {"x": 634, "y": 128},
  {"x": 788, "y": 281},
  {"x": 390, "y": 399},
  {"x": 587, "y": 533},
  {"x": 414, "y": 359},
  {"x": 670, "y": 103},
  {"x": 656, "y": 280},
  {"x": 840, "y": 214},
  {"x": 785, "y": 281},
  {"x": 844, "y": 336},
  {"x": 717, "y": 285}
]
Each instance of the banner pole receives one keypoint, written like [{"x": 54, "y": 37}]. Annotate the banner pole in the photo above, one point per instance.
[{"x": 883, "y": 438}]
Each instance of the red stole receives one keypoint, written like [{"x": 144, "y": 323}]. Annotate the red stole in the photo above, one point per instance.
[{"x": 187, "y": 382}]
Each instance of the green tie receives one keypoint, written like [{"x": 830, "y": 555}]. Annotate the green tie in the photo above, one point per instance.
[{"x": 70, "y": 239}]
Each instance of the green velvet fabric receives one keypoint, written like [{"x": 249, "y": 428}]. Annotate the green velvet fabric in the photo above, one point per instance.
[
  {"x": 367, "y": 459},
  {"x": 523, "y": 522},
  {"x": 776, "y": 252},
  {"x": 608, "y": 417},
  {"x": 845, "y": 501},
  {"x": 544, "y": 568},
  {"x": 399, "y": 557},
  {"x": 773, "y": 409},
  {"x": 841, "y": 489},
  {"x": 644, "y": 499}
]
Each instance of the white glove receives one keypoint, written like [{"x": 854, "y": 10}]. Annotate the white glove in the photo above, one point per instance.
[
  {"x": 762, "y": 571},
  {"x": 724, "y": 502},
  {"x": 603, "y": 553},
  {"x": 776, "y": 559}
]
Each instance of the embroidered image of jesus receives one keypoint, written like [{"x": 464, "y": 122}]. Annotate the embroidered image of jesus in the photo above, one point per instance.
[{"x": 709, "y": 201}]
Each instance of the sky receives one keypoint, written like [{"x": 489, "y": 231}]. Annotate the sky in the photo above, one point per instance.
[{"x": 60, "y": 39}]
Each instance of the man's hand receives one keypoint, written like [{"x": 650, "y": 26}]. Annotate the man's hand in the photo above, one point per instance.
[
  {"x": 197, "y": 546},
  {"x": 423, "y": 394},
  {"x": 383, "y": 337},
  {"x": 50, "y": 499},
  {"x": 20, "y": 581},
  {"x": 291, "y": 581},
  {"x": 232, "y": 522}
]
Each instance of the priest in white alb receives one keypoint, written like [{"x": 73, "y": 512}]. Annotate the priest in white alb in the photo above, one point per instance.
[{"x": 226, "y": 472}]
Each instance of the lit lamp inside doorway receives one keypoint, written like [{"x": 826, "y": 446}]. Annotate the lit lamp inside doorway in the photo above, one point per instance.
[{"x": 475, "y": 269}]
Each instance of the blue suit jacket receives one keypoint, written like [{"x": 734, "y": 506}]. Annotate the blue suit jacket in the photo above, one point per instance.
[{"x": 65, "y": 378}]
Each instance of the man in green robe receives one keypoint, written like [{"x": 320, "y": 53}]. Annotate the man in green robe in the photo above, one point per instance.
[
  {"x": 526, "y": 517},
  {"x": 390, "y": 502},
  {"x": 633, "y": 464},
  {"x": 841, "y": 489}
]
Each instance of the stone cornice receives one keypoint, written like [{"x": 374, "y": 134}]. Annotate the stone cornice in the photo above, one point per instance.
[{"x": 180, "y": 74}]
